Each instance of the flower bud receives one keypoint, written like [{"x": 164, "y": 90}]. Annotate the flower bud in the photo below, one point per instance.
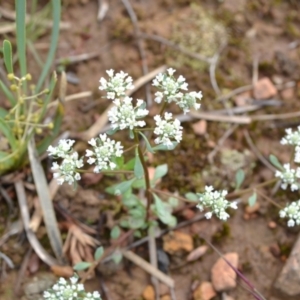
[{"x": 10, "y": 76}]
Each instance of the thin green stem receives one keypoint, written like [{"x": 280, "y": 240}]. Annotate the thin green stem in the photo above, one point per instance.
[
  {"x": 269, "y": 199},
  {"x": 106, "y": 171},
  {"x": 130, "y": 148},
  {"x": 171, "y": 195},
  {"x": 245, "y": 191}
]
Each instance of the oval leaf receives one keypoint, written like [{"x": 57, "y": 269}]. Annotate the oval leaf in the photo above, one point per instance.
[
  {"x": 98, "y": 253},
  {"x": 252, "y": 199},
  {"x": 274, "y": 160},
  {"x": 115, "y": 232},
  {"x": 239, "y": 178},
  {"x": 83, "y": 265},
  {"x": 165, "y": 148},
  {"x": 117, "y": 257},
  {"x": 138, "y": 167},
  {"x": 7, "y": 55},
  {"x": 160, "y": 171},
  {"x": 120, "y": 188},
  {"x": 192, "y": 197},
  {"x": 148, "y": 146}
]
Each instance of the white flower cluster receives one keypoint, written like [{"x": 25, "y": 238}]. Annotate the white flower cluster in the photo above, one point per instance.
[
  {"x": 216, "y": 201},
  {"x": 63, "y": 290},
  {"x": 67, "y": 171},
  {"x": 291, "y": 137},
  {"x": 292, "y": 212},
  {"x": 117, "y": 84},
  {"x": 123, "y": 115},
  {"x": 167, "y": 130},
  {"x": 171, "y": 91},
  {"x": 105, "y": 150},
  {"x": 289, "y": 176},
  {"x": 102, "y": 155}
]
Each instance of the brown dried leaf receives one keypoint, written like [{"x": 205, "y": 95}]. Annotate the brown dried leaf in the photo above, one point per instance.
[
  {"x": 197, "y": 253},
  {"x": 62, "y": 271}
]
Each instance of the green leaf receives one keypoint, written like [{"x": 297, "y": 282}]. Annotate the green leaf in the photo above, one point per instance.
[
  {"x": 48, "y": 96},
  {"x": 173, "y": 201},
  {"x": 9, "y": 95},
  {"x": 135, "y": 223},
  {"x": 148, "y": 146},
  {"x": 160, "y": 171},
  {"x": 111, "y": 131},
  {"x": 56, "y": 11},
  {"x": 120, "y": 188},
  {"x": 252, "y": 199},
  {"x": 138, "y": 212},
  {"x": 139, "y": 184},
  {"x": 98, "y": 253},
  {"x": 138, "y": 167},
  {"x": 192, "y": 197},
  {"x": 129, "y": 165},
  {"x": 274, "y": 160},
  {"x": 130, "y": 201},
  {"x": 239, "y": 178},
  {"x": 3, "y": 113},
  {"x": 7, "y": 55},
  {"x": 115, "y": 232},
  {"x": 119, "y": 161},
  {"x": 6, "y": 130},
  {"x": 165, "y": 148},
  {"x": 83, "y": 265},
  {"x": 21, "y": 34},
  {"x": 117, "y": 257}
]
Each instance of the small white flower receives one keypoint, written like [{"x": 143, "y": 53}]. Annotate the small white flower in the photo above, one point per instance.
[
  {"x": 289, "y": 177},
  {"x": 189, "y": 101},
  {"x": 104, "y": 150},
  {"x": 169, "y": 86},
  {"x": 167, "y": 130},
  {"x": 62, "y": 150},
  {"x": 171, "y": 71},
  {"x": 292, "y": 212},
  {"x": 123, "y": 115},
  {"x": 215, "y": 200},
  {"x": 67, "y": 171},
  {"x": 291, "y": 137},
  {"x": 117, "y": 84},
  {"x": 62, "y": 290}
]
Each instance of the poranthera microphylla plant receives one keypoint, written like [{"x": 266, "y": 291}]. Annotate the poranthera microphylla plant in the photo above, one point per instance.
[{"x": 106, "y": 154}]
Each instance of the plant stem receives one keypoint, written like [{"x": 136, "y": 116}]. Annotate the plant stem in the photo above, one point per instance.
[
  {"x": 147, "y": 178},
  {"x": 171, "y": 195},
  {"x": 245, "y": 191},
  {"x": 106, "y": 171}
]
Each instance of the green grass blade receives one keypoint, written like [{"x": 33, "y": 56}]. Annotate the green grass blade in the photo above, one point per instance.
[
  {"x": 48, "y": 97},
  {"x": 21, "y": 34},
  {"x": 3, "y": 113},
  {"x": 4, "y": 128},
  {"x": 7, "y": 55},
  {"x": 56, "y": 11},
  {"x": 9, "y": 95}
]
